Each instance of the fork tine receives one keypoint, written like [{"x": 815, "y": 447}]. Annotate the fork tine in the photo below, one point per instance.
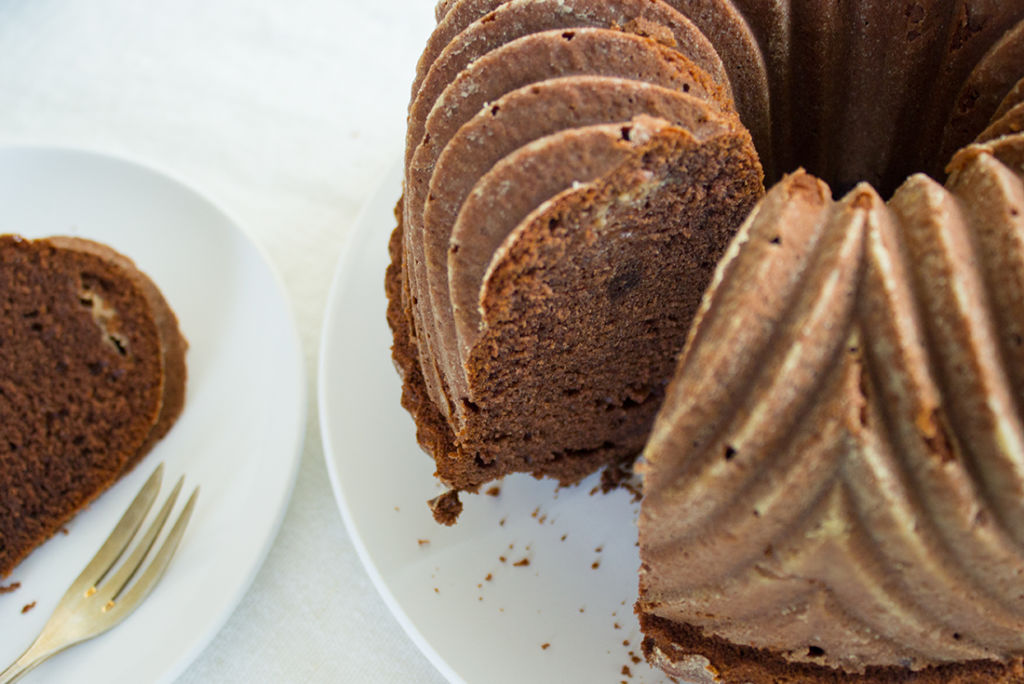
[
  {"x": 115, "y": 584},
  {"x": 152, "y": 574},
  {"x": 119, "y": 538}
]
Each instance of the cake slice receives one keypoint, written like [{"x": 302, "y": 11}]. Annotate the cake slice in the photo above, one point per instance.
[
  {"x": 744, "y": 64},
  {"x": 514, "y": 122},
  {"x": 586, "y": 298},
  {"x": 973, "y": 31},
  {"x": 92, "y": 376},
  {"x": 529, "y": 59},
  {"x": 522, "y": 17},
  {"x": 512, "y": 20},
  {"x": 1009, "y": 122},
  {"x": 1013, "y": 98},
  {"x": 989, "y": 83}
]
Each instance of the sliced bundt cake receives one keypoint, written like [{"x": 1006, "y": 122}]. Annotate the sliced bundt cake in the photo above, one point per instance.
[{"x": 833, "y": 488}]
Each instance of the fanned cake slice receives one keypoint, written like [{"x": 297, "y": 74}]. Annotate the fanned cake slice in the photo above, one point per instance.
[
  {"x": 525, "y": 61},
  {"x": 496, "y": 62},
  {"x": 582, "y": 227},
  {"x": 525, "y": 109},
  {"x": 988, "y": 85},
  {"x": 92, "y": 374},
  {"x": 495, "y": 205}
]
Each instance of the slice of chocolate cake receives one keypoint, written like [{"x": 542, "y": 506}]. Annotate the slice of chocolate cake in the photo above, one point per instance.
[
  {"x": 92, "y": 374},
  {"x": 598, "y": 240},
  {"x": 472, "y": 199},
  {"x": 528, "y": 60}
]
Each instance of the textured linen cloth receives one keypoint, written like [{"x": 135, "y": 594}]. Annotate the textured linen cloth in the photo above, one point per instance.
[{"x": 286, "y": 114}]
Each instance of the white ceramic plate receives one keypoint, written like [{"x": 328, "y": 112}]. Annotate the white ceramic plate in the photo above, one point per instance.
[
  {"x": 463, "y": 593},
  {"x": 239, "y": 437}
]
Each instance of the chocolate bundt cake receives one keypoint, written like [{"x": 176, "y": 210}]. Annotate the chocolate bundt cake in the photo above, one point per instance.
[
  {"x": 834, "y": 486},
  {"x": 92, "y": 375}
]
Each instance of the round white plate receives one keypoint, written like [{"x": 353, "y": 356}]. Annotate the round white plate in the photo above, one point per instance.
[
  {"x": 535, "y": 584},
  {"x": 239, "y": 437}
]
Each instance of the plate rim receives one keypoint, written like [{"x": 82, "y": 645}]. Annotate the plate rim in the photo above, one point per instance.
[{"x": 386, "y": 183}]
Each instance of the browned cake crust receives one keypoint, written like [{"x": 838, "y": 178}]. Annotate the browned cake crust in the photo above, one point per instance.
[
  {"x": 91, "y": 375},
  {"x": 173, "y": 344},
  {"x": 666, "y": 642}
]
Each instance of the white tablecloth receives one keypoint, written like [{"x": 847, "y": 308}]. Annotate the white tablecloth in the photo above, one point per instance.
[{"x": 286, "y": 113}]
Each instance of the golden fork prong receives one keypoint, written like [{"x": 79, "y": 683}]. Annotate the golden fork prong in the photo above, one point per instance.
[
  {"x": 91, "y": 606},
  {"x": 152, "y": 574},
  {"x": 115, "y": 584},
  {"x": 118, "y": 540}
]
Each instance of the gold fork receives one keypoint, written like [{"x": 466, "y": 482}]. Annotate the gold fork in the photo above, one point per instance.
[{"x": 89, "y": 608}]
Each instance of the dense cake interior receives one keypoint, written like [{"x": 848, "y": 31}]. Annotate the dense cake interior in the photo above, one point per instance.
[{"x": 92, "y": 373}]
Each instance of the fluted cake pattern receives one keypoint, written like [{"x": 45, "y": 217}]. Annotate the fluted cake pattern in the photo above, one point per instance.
[
  {"x": 573, "y": 170},
  {"x": 837, "y": 472}
]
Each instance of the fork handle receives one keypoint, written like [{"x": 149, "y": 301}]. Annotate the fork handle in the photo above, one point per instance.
[{"x": 33, "y": 655}]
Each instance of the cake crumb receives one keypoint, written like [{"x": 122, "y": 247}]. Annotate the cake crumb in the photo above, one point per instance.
[
  {"x": 489, "y": 577},
  {"x": 494, "y": 491},
  {"x": 65, "y": 531},
  {"x": 582, "y": 609},
  {"x": 595, "y": 565},
  {"x": 617, "y": 626},
  {"x": 625, "y": 642},
  {"x": 436, "y": 590},
  {"x": 521, "y": 563},
  {"x": 564, "y": 536},
  {"x": 446, "y": 507},
  {"x": 422, "y": 542},
  {"x": 396, "y": 509},
  {"x": 27, "y": 607},
  {"x": 502, "y": 559},
  {"x": 541, "y": 519},
  {"x": 625, "y": 671},
  {"x": 501, "y": 523},
  {"x": 599, "y": 549},
  {"x": 635, "y": 658},
  {"x": 545, "y": 646},
  {"x": 9, "y": 588}
]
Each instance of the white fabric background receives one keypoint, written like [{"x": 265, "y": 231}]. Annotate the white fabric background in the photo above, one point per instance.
[{"x": 286, "y": 113}]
